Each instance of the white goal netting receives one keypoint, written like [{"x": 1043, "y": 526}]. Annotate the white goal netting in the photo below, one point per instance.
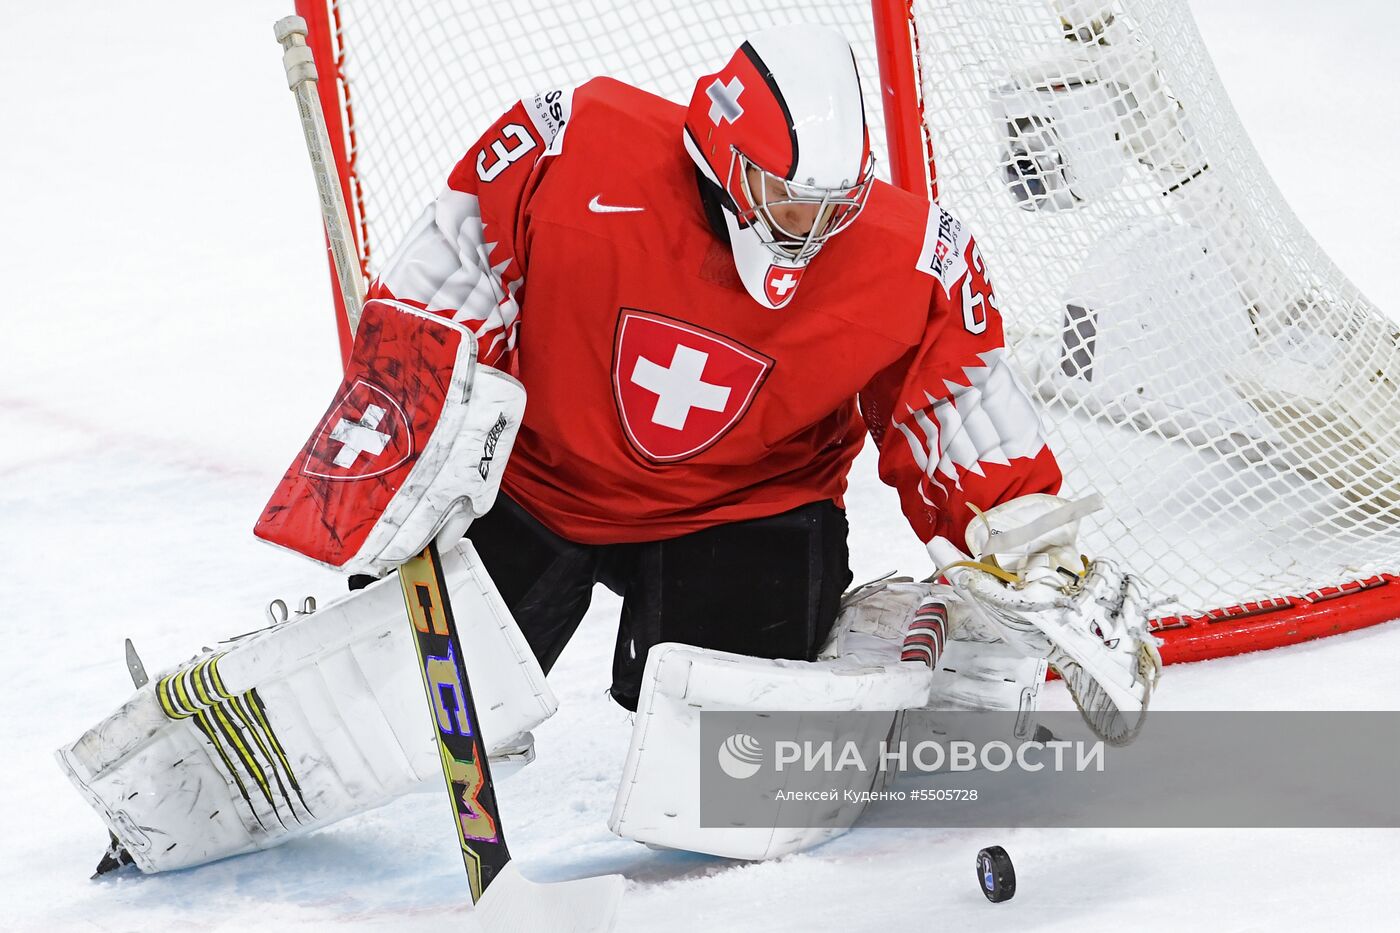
[{"x": 1202, "y": 363}]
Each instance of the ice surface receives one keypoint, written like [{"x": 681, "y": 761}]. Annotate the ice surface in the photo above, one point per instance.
[{"x": 167, "y": 343}]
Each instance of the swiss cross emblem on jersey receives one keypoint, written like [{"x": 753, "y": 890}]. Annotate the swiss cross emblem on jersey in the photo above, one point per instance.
[
  {"x": 780, "y": 284},
  {"x": 365, "y": 435},
  {"x": 679, "y": 388}
]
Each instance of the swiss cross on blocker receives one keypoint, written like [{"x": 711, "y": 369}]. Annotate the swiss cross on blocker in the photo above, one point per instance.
[
  {"x": 366, "y": 435},
  {"x": 405, "y": 366},
  {"x": 679, "y": 388},
  {"x": 359, "y": 437}
]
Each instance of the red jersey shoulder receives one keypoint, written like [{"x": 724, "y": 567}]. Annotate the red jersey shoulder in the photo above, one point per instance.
[
  {"x": 602, "y": 94},
  {"x": 612, "y": 115},
  {"x": 622, "y": 131},
  {"x": 871, "y": 267},
  {"x": 896, "y": 212},
  {"x": 511, "y": 147},
  {"x": 621, "y": 172}
]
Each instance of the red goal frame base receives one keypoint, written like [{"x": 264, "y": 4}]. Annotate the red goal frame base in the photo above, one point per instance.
[
  {"x": 1274, "y": 623},
  {"x": 1277, "y": 623}
]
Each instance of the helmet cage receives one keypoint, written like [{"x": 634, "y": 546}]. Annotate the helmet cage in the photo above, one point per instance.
[{"x": 836, "y": 208}]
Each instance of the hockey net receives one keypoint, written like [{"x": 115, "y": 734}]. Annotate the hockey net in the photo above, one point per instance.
[{"x": 1202, "y": 363}]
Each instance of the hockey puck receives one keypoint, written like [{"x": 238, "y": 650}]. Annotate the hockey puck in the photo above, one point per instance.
[{"x": 995, "y": 876}]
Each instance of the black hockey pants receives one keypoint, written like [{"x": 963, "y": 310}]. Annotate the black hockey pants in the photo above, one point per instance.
[{"x": 768, "y": 587}]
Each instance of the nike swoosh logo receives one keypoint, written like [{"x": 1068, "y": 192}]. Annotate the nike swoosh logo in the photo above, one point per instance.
[{"x": 598, "y": 207}]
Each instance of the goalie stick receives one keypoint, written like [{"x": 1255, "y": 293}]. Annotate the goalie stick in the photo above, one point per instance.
[{"x": 505, "y": 900}]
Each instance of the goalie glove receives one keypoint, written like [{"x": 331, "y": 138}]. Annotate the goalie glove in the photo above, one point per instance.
[{"x": 1028, "y": 586}]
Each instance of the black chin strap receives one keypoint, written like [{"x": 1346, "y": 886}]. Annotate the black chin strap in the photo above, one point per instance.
[{"x": 712, "y": 198}]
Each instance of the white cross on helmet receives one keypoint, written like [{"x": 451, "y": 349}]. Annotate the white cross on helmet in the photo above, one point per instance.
[{"x": 726, "y": 100}]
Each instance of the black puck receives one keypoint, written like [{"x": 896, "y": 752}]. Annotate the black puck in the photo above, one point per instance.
[{"x": 995, "y": 876}]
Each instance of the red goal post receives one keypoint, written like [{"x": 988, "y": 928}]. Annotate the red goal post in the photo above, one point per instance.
[{"x": 1040, "y": 173}]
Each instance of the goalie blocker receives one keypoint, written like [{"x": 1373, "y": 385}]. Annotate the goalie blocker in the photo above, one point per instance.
[{"x": 412, "y": 447}]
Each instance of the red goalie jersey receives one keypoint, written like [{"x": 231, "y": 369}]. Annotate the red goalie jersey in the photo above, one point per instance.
[{"x": 662, "y": 399}]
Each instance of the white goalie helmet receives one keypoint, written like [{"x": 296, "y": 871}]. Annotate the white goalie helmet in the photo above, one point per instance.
[{"x": 780, "y": 134}]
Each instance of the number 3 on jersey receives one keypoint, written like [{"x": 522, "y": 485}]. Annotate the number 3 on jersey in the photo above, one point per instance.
[
  {"x": 977, "y": 295},
  {"x": 505, "y": 153}
]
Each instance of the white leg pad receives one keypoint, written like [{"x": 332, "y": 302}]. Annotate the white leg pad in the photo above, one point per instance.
[
  {"x": 299, "y": 725},
  {"x": 978, "y": 676},
  {"x": 658, "y": 801}
]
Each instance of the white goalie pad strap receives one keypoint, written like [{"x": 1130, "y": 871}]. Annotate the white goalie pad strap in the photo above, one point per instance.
[
  {"x": 658, "y": 800},
  {"x": 877, "y": 618},
  {"x": 296, "y": 726},
  {"x": 457, "y": 475},
  {"x": 988, "y": 676}
]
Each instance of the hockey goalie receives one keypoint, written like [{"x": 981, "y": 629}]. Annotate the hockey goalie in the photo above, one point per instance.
[{"x": 709, "y": 307}]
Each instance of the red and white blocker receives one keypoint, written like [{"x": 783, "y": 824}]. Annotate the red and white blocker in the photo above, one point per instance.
[{"x": 415, "y": 440}]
